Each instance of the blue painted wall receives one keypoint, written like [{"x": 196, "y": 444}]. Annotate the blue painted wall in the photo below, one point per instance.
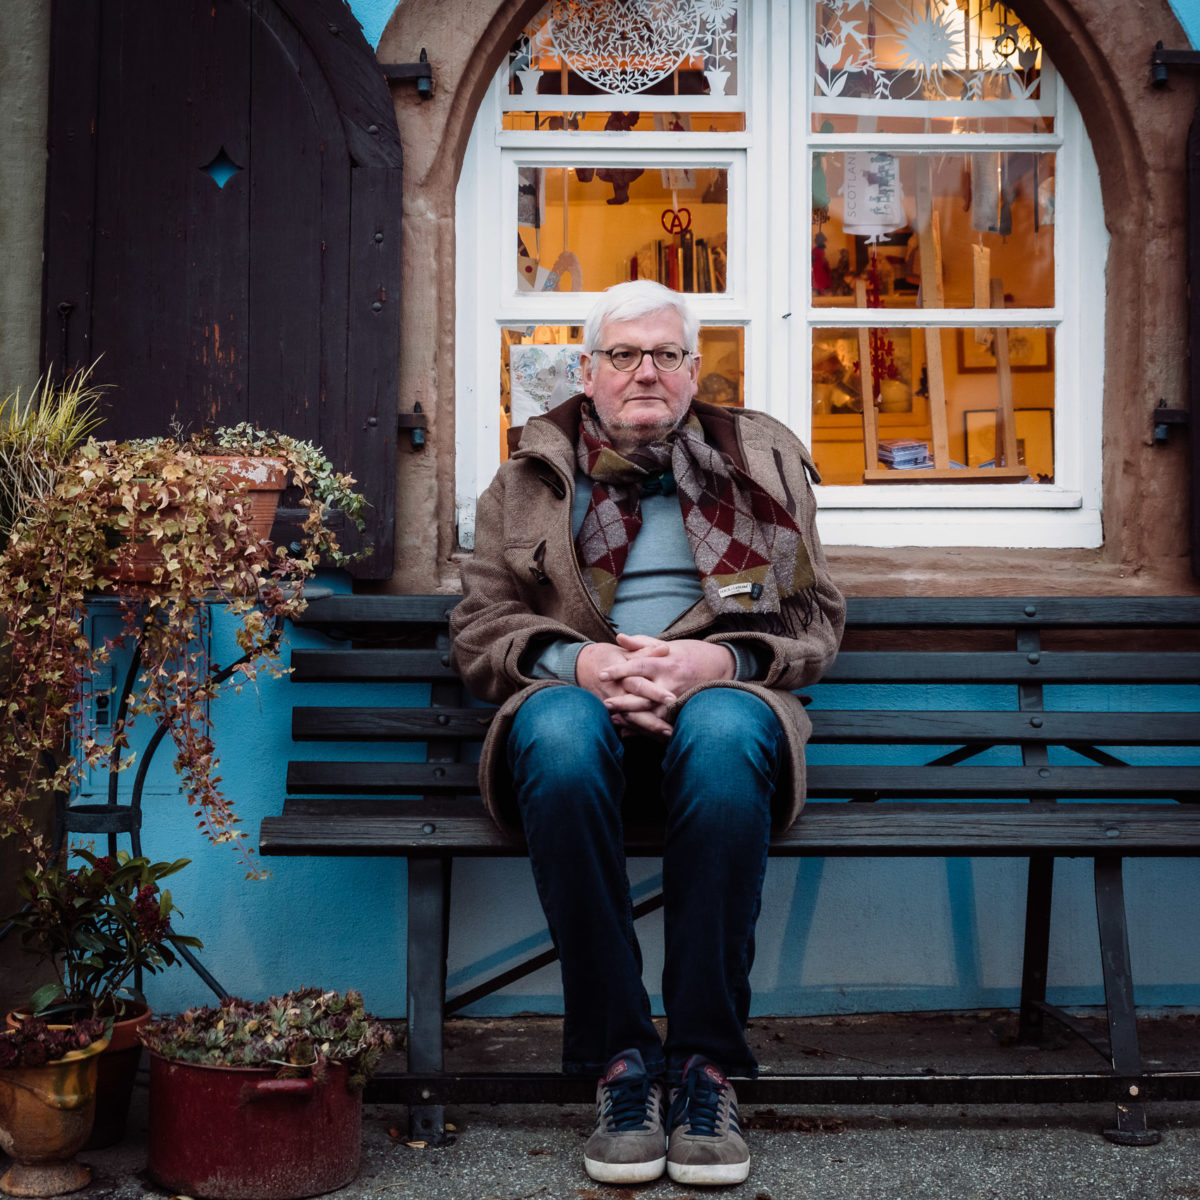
[
  {"x": 1188, "y": 12},
  {"x": 835, "y": 936}
]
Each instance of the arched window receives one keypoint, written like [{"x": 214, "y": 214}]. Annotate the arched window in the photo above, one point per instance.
[{"x": 851, "y": 191}]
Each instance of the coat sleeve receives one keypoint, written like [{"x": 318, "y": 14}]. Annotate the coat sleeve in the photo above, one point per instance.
[{"x": 498, "y": 619}]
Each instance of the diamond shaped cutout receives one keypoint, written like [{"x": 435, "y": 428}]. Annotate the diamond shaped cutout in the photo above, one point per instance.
[{"x": 222, "y": 168}]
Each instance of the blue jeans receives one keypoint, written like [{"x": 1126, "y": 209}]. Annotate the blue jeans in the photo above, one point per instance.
[{"x": 710, "y": 787}]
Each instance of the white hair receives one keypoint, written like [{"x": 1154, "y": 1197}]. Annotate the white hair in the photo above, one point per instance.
[{"x": 637, "y": 298}]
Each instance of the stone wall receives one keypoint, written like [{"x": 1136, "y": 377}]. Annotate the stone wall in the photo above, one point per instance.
[{"x": 1102, "y": 49}]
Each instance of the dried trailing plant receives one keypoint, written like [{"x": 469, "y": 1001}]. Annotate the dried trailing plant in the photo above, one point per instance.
[
  {"x": 108, "y": 502},
  {"x": 298, "y": 1033},
  {"x": 98, "y": 924}
]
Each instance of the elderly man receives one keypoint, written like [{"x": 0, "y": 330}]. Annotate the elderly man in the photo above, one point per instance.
[{"x": 647, "y": 589}]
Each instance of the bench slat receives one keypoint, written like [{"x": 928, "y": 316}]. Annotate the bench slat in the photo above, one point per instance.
[
  {"x": 1081, "y": 612},
  {"x": 890, "y": 612},
  {"x": 381, "y": 724},
  {"x": 370, "y": 666},
  {"x": 377, "y": 665},
  {"x": 824, "y": 780},
  {"x": 348, "y": 611},
  {"x": 992, "y": 830},
  {"x": 998, "y": 666},
  {"x": 379, "y": 778}
]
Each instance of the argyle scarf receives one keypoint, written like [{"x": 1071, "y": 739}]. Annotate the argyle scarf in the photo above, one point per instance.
[{"x": 749, "y": 552}]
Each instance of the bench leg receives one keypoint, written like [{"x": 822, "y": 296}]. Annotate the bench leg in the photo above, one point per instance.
[
  {"x": 1131, "y": 1128},
  {"x": 428, "y": 912},
  {"x": 1038, "y": 897}
]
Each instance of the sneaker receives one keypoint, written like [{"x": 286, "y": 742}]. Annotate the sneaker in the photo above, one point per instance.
[
  {"x": 628, "y": 1144},
  {"x": 706, "y": 1140}
]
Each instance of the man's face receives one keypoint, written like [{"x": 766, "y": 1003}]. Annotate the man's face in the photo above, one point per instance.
[{"x": 641, "y": 406}]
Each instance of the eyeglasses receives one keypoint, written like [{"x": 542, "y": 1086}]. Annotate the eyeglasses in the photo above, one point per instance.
[{"x": 668, "y": 357}]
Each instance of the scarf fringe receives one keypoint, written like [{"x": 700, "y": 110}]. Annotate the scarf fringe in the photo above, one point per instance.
[{"x": 792, "y": 621}]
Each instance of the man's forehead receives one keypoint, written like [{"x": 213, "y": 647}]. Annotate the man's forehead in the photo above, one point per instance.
[{"x": 664, "y": 324}]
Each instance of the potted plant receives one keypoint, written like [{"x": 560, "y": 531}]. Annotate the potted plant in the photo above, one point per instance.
[
  {"x": 166, "y": 525},
  {"x": 99, "y": 925},
  {"x": 261, "y": 1101},
  {"x": 47, "y": 1099},
  {"x": 38, "y": 433}
]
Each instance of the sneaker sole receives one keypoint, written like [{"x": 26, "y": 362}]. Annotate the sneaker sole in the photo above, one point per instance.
[
  {"x": 635, "y": 1172},
  {"x": 710, "y": 1173}
]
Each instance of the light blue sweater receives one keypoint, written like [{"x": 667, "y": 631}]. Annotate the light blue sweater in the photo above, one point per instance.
[{"x": 658, "y": 585}]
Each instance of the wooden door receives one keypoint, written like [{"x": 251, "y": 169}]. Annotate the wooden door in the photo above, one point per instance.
[{"x": 223, "y": 225}]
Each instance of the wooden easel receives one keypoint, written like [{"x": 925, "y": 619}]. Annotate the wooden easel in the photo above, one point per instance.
[{"x": 1006, "y": 468}]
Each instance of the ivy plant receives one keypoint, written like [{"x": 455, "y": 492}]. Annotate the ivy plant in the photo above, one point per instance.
[{"x": 111, "y": 502}]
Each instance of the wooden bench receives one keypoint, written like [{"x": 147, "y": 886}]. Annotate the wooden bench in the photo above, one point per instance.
[{"x": 1101, "y": 783}]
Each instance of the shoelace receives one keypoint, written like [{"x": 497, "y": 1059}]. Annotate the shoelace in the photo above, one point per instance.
[
  {"x": 626, "y": 1103},
  {"x": 699, "y": 1104}
]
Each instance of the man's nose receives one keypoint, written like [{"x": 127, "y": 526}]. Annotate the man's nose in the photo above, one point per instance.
[{"x": 647, "y": 372}]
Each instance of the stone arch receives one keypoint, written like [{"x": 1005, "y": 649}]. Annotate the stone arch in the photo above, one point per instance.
[{"x": 1139, "y": 136}]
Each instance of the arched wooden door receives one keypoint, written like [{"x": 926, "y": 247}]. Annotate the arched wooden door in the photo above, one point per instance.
[{"x": 223, "y": 225}]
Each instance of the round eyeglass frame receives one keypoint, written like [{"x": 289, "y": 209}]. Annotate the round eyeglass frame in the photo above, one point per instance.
[{"x": 641, "y": 352}]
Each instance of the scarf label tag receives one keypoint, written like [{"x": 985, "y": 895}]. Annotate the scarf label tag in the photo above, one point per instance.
[{"x": 740, "y": 589}]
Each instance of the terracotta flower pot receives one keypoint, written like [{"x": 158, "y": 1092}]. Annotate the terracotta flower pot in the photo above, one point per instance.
[
  {"x": 263, "y": 480},
  {"x": 45, "y": 1117},
  {"x": 115, "y": 1075},
  {"x": 238, "y": 1133}
]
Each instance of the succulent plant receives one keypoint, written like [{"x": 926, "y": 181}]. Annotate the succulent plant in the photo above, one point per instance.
[
  {"x": 300, "y": 1033},
  {"x": 34, "y": 1043}
]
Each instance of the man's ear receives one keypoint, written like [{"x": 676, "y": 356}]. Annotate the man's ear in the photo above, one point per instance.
[{"x": 586, "y": 375}]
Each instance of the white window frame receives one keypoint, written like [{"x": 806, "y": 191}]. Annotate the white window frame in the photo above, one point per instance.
[{"x": 769, "y": 293}]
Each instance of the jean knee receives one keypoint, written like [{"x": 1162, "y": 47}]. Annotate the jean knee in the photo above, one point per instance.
[
  {"x": 730, "y": 720},
  {"x": 725, "y": 756},
  {"x": 560, "y": 734}
]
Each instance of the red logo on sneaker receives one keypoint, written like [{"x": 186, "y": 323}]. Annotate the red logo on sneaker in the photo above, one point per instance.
[
  {"x": 618, "y": 1068},
  {"x": 714, "y": 1075}
]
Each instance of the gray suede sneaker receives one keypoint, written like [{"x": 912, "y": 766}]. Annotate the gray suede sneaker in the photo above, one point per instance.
[
  {"x": 706, "y": 1145},
  {"x": 628, "y": 1144}
]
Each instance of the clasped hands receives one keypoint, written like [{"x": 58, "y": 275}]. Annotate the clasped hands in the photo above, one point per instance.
[{"x": 640, "y": 677}]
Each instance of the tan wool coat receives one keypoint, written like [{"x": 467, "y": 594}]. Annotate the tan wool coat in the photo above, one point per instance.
[{"x": 523, "y": 587}]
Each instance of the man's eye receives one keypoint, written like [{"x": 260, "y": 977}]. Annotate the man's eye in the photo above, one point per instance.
[
  {"x": 668, "y": 356},
  {"x": 623, "y": 356}
]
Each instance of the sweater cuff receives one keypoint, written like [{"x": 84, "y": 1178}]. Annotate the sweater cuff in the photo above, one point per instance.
[
  {"x": 556, "y": 660},
  {"x": 750, "y": 667}
]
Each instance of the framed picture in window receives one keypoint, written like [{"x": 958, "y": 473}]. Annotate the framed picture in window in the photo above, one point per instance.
[
  {"x": 1034, "y": 431},
  {"x": 1028, "y": 350}
]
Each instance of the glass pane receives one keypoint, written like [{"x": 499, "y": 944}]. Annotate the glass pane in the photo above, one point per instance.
[
  {"x": 603, "y": 121},
  {"x": 888, "y": 122},
  {"x": 615, "y": 47},
  {"x": 985, "y": 422},
  {"x": 975, "y": 55},
  {"x": 585, "y": 228},
  {"x": 722, "y": 365},
  {"x": 539, "y": 368},
  {"x": 894, "y": 230}
]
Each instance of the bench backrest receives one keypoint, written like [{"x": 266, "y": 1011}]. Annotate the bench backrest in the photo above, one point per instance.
[{"x": 1048, "y": 700}]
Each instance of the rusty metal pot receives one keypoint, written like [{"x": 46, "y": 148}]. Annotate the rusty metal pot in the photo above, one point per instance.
[{"x": 239, "y": 1133}]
